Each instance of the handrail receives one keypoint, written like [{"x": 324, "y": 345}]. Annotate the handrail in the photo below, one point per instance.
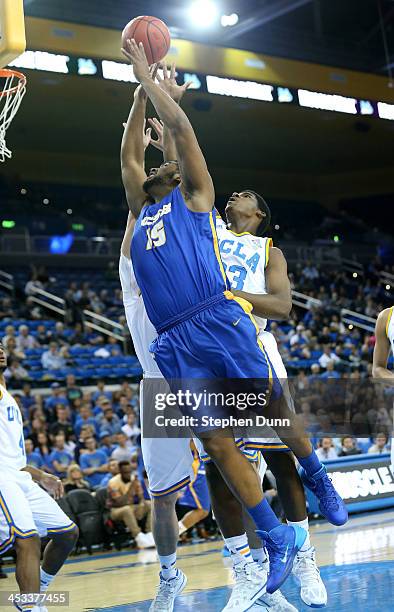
[
  {"x": 7, "y": 281},
  {"x": 50, "y": 296},
  {"x": 96, "y": 324}
]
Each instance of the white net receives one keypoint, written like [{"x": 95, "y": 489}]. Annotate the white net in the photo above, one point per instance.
[{"x": 12, "y": 90}]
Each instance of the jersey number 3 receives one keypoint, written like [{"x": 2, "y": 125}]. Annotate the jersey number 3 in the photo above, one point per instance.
[{"x": 156, "y": 235}]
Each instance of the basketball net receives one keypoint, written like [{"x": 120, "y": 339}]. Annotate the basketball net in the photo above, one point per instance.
[{"x": 11, "y": 96}]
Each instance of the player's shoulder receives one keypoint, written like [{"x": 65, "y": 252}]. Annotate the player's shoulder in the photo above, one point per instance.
[{"x": 384, "y": 319}]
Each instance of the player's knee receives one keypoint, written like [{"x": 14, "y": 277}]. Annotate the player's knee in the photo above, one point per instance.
[
  {"x": 30, "y": 545},
  {"x": 67, "y": 539},
  {"x": 164, "y": 504},
  {"x": 217, "y": 448}
]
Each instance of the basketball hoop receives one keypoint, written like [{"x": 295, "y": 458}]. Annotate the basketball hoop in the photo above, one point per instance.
[{"x": 12, "y": 90}]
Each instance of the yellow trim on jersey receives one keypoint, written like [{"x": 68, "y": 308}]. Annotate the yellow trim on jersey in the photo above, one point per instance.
[
  {"x": 241, "y": 234},
  {"x": 62, "y": 529},
  {"x": 388, "y": 321},
  {"x": 266, "y": 446},
  {"x": 4, "y": 508},
  {"x": 269, "y": 243},
  {"x": 216, "y": 247},
  {"x": 171, "y": 489},
  {"x": 195, "y": 497},
  {"x": 1, "y": 394}
]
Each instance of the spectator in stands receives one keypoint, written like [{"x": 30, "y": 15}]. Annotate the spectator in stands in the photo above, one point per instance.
[
  {"x": 131, "y": 428},
  {"x": 62, "y": 423},
  {"x": 60, "y": 335},
  {"x": 326, "y": 450},
  {"x": 75, "y": 480},
  {"x": 106, "y": 445},
  {"x": 87, "y": 431},
  {"x": 109, "y": 421},
  {"x": 348, "y": 447},
  {"x": 26, "y": 398},
  {"x": 380, "y": 445},
  {"x": 100, "y": 391},
  {"x": 53, "y": 358},
  {"x": 15, "y": 371},
  {"x": 33, "y": 457},
  {"x": 9, "y": 333},
  {"x": 25, "y": 340},
  {"x": 327, "y": 356},
  {"x": 127, "y": 503},
  {"x": 330, "y": 371},
  {"x": 56, "y": 398},
  {"x": 13, "y": 352},
  {"x": 123, "y": 449},
  {"x": 59, "y": 458},
  {"x": 43, "y": 335},
  {"x": 310, "y": 272},
  {"x": 42, "y": 447},
  {"x": 113, "y": 470},
  {"x": 85, "y": 417},
  {"x": 33, "y": 284},
  {"x": 94, "y": 463},
  {"x": 73, "y": 392},
  {"x": 78, "y": 337},
  {"x": 6, "y": 309}
]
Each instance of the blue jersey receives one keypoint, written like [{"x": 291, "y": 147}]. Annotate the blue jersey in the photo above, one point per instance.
[{"x": 176, "y": 259}]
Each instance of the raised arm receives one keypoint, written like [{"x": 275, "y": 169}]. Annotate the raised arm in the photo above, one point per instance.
[
  {"x": 197, "y": 185},
  {"x": 381, "y": 350},
  {"x": 277, "y": 303}
]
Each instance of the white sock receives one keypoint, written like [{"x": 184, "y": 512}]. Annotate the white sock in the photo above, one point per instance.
[
  {"x": 239, "y": 549},
  {"x": 168, "y": 566},
  {"x": 182, "y": 528},
  {"x": 45, "y": 580},
  {"x": 305, "y": 525},
  {"x": 258, "y": 555}
]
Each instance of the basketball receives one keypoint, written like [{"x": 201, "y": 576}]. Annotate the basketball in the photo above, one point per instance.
[{"x": 154, "y": 35}]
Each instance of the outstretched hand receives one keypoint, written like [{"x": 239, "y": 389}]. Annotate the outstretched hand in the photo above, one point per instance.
[
  {"x": 137, "y": 57},
  {"x": 168, "y": 83},
  {"x": 158, "y": 127}
]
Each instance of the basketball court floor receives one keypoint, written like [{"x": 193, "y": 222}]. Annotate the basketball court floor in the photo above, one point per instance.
[{"x": 357, "y": 565}]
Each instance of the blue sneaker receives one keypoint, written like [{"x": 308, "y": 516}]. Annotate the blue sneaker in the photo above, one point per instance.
[
  {"x": 331, "y": 505},
  {"x": 282, "y": 544}
]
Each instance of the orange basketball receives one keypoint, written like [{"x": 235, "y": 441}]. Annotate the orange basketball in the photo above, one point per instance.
[{"x": 154, "y": 35}]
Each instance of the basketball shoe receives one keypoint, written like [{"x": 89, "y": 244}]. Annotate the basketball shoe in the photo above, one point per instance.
[
  {"x": 250, "y": 583},
  {"x": 331, "y": 504},
  {"x": 313, "y": 592},
  {"x": 167, "y": 592},
  {"x": 282, "y": 544},
  {"x": 273, "y": 601}
]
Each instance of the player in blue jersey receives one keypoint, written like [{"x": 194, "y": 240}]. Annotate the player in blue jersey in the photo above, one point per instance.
[{"x": 204, "y": 330}]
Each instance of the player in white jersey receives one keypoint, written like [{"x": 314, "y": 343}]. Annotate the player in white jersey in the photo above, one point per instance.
[
  {"x": 27, "y": 512},
  {"x": 384, "y": 342}
]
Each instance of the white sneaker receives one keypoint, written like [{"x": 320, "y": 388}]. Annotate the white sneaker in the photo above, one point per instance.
[
  {"x": 250, "y": 584},
  {"x": 313, "y": 592},
  {"x": 276, "y": 600},
  {"x": 145, "y": 540},
  {"x": 167, "y": 592}
]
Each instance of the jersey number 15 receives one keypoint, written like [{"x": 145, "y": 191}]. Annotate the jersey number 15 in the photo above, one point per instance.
[{"x": 156, "y": 235}]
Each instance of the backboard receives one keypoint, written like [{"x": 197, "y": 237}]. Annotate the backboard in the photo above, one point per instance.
[{"x": 12, "y": 30}]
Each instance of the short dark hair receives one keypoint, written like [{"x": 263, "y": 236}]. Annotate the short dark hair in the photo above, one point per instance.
[
  {"x": 263, "y": 206},
  {"x": 123, "y": 464}
]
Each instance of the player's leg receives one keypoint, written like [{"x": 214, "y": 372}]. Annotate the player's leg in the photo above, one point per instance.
[
  {"x": 51, "y": 521},
  {"x": 18, "y": 529},
  {"x": 168, "y": 464},
  {"x": 292, "y": 496}
]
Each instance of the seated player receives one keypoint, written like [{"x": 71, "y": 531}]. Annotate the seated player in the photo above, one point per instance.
[
  {"x": 194, "y": 502},
  {"x": 127, "y": 503},
  {"x": 27, "y": 511}
]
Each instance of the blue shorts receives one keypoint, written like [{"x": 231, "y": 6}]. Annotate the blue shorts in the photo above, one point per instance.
[
  {"x": 218, "y": 339},
  {"x": 196, "y": 494}
]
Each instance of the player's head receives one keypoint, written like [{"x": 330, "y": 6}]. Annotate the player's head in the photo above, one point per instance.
[
  {"x": 164, "y": 178},
  {"x": 3, "y": 358},
  {"x": 125, "y": 470},
  {"x": 249, "y": 206}
]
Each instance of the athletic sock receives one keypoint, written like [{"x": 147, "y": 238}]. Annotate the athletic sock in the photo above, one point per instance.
[
  {"x": 258, "y": 555},
  {"x": 311, "y": 463},
  {"x": 239, "y": 549},
  {"x": 45, "y": 580},
  {"x": 168, "y": 566},
  {"x": 263, "y": 515},
  {"x": 182, "y": 528},
  {"x": 305, "y": 525}
]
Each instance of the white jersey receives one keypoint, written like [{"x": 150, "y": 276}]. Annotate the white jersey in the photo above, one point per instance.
[
  {"x": 245, "y": 258},
  {"x": 390, "y": 328},
  {"x": 12, "y": 446},
  {"x": 141, "y": 329}
]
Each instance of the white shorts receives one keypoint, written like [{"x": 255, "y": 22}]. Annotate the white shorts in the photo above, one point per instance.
[
  {"x": 27, "y": 510},
  {"x": 168, "y": 461},
  {"x": 269, "y": 443}
]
